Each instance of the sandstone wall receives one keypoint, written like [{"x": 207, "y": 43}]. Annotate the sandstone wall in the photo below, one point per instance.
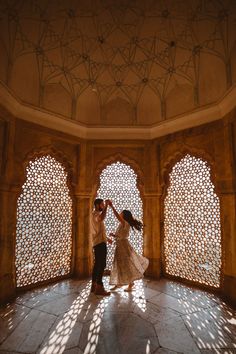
[{"x": 84, "y": 160}]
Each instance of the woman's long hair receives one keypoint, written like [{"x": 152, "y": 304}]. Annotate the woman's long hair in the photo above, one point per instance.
[{"x": 127, "y": 215}]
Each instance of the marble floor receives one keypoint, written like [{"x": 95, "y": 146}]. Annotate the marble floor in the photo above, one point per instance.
[{"x": 161, "y": 317}]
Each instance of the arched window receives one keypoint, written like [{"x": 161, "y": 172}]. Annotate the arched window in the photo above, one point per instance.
[
  {"x": 44, "y": 223},
  {"x": 192, "y": 236},
  {"x": 118, "y": 182}
]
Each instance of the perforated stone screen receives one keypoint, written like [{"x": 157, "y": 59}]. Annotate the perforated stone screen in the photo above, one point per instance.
[
  {"x": 44, "y": 223},
  {"x": 118, "y": 182},
  {"x": 192, "y": 240}
]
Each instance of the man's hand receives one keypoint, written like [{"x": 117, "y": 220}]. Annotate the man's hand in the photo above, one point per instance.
[
  {"x": 104, "y": 212},
  {"x": 109, "y": 202}
]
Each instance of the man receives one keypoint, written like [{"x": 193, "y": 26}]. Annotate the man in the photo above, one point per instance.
[{"x": 99, "y": 241}]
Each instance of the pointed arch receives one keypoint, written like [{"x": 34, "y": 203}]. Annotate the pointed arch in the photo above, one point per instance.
[
  {"x": 44, "y": 222},
  {"x": 191, "y": 240},
  {"x": 178, "y": 155},
  {"x": 118, "y": 181},
  {"x": 57, "y": 154},
  {"x": 121, "y": 158}
]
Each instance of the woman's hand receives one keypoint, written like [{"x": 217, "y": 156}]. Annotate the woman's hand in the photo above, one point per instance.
[{"x": 109, "y": 240}]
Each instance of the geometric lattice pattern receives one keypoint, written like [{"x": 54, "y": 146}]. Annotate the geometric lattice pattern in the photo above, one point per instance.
[
  {"x": 118, "y": 48},
  {"x": 192, "y": 236},
  {"x": 118, "y": 182},
  {"x": 44, "y": 223}
]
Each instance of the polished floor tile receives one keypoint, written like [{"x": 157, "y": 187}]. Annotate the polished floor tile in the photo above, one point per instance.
[
  {"x": 209, "y": 335},
  {"x": 30, "y": 332},
  {"x": 157, "y": 317}
]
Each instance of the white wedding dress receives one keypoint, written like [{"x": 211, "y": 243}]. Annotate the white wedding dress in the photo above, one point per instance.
[{"x": 128, "y": 265}]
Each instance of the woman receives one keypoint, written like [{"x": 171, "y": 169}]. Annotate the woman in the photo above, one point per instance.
[{"x": 127, "y": 265}]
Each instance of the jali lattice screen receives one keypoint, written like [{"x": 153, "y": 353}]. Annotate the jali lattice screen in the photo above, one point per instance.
[
  {"x": 118, "y": 182},
  {"x": 192, "y": 236},
  {"x": 44, "y": 223}
]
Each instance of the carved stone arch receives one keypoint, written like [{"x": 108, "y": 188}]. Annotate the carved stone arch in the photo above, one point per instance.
[
  {"x": 57, "y": 154},
  {"x": 132, "y": 168},
  {"x": 165, "y": 182},
  {"x": 178, "y": 156},
  {"x": 65, "y": 167},
  {"x": 124, "y": 159}
]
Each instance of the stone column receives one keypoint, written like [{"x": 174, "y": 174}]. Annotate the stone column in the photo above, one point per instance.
[
  {"x": 8, "y": 200},
  {"x": 83, "y": 201},
  {"x": 151, "y": 209},
  {"x": 225, "y": 145},
  {"x": 83, "y": 247},
  {"x": 152, "y": 237},
  {"x": 228, "y": 221}
]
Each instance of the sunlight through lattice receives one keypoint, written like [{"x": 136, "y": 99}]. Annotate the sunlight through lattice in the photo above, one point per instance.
[
  {"x": 118, "y": 182},
  {"x": 192, "y": 241},
  {"x": 44, "y": 223}
]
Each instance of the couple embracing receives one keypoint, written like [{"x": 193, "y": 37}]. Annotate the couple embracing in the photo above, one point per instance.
[{"x": 128, "y": 266}]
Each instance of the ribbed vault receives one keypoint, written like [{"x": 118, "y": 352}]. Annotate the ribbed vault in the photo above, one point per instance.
[{"x": 113, "y": 63}]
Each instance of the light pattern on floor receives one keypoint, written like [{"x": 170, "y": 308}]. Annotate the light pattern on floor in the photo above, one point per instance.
[{"x": 156, "y": 317}]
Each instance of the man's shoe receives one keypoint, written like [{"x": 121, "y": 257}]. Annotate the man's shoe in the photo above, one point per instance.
[
  {"x": 93, "y": 287},
  {"x": 101, "y": 291}
]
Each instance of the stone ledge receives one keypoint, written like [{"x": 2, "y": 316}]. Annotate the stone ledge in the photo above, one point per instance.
[{"x": 42, "y": 117}]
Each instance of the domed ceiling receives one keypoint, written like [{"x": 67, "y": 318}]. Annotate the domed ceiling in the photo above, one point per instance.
[{"x": 118, "y": 63}]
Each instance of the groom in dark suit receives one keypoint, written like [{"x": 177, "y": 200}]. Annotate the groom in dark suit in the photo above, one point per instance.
[{"x": 99, "y": 241}]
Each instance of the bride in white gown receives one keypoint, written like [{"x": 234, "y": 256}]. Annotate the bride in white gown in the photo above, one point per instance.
[{"x": 128, "y": 265}]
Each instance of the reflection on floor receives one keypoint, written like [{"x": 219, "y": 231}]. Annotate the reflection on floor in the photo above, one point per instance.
[{"x": 157, "y": 317}]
